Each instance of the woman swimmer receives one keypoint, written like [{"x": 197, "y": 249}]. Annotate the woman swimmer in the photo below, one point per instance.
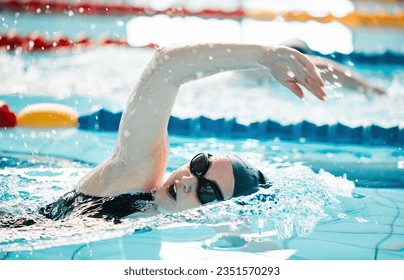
[{"x": 133, "y": 175}]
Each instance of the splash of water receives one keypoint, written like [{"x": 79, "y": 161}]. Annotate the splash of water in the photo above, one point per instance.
[
  {"x": 297, "y": 200},
  {"x": 294, "y": 204}
]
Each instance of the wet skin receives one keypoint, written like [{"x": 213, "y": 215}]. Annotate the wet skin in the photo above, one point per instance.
[{"x": 179, "y": 192}]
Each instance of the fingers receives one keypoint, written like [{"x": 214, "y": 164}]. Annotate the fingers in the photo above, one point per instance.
[
  {"x": 294, "y": 88},
  {"x": 316, "y": 78},
  {"x": 307, "y": 82},
  {"x": 378, "y": 91},
  {"x": 312, "y": 79},
  {"x": 318, "y": 92},
  {"x": 311, "y": 69},
  {"x": 314, "y": 87},
  {"x": 293, "y": 68}
]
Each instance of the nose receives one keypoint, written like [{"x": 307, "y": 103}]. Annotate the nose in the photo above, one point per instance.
[{"x": 189, "y": 183}]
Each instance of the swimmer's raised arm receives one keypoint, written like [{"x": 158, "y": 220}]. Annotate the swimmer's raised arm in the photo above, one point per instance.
[
  {"x": 141, "y": 152},
  {"x": 287, "y": 65}
]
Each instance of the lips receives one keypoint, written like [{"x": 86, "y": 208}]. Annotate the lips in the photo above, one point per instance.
[{"x": 172, "y": 191}]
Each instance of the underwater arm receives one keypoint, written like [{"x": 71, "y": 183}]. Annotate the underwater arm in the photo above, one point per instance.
[{"x": 140, "y": 156}]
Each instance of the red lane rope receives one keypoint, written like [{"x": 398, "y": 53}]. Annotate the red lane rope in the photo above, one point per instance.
[
  {"x": 31, "y": 43},
  {"x": 46, "y": 6},
  {"x": 377, "y": 19},
  {"x": 37, "y": 43}
]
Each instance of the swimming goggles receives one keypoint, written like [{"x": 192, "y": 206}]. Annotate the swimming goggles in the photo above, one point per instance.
[{"x": 207, "y": 190}]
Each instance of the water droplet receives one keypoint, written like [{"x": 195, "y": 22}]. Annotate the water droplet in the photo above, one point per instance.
[
  {"x": 291, "y": 74},
  {"x": 199, "y": 75},
  {"x": 361, "y": 220}
]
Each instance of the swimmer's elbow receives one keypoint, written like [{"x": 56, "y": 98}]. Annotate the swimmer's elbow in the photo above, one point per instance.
[
  {"x": 160, "y": 60},
  {"x": 168, "y": 50},
  {"x": 168, "y": 63},
  {"x": 162, "y": 50},
  {"x": 164, "y": 56}
]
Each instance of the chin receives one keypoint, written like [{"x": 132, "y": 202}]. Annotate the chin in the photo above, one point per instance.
[{"x": 163, "y": 200}]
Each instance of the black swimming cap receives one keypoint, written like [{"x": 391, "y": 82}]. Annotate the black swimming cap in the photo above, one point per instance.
[{"x": 247, "y": 177}]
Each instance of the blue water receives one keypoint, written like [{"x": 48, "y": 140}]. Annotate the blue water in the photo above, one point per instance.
[{"x": 307, "y": 196}]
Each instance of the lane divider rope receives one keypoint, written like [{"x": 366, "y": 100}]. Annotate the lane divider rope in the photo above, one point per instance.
[
  {"x": 36, "y": 43},
  {"x": 338, "y": 133},
  {"x": 52, "y": 115},
  {"x": 353, "y": 19}
]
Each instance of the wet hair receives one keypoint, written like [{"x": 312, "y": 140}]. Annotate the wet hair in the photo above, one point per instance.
[{"x": 247, "y": 178}]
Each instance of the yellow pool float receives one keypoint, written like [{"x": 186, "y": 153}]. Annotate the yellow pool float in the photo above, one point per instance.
[{"x": 47, "y": 115}]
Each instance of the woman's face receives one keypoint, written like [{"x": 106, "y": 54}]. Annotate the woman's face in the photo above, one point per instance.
[{"x": 185, "y": 185}]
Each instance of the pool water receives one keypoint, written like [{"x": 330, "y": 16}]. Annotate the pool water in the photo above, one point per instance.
[
  {"x": 355, "y": 215},
  {"x": 328, "y": 201}
]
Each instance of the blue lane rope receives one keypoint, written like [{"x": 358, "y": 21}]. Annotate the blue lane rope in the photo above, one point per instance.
[
  {"x": 388, "y": 57},
  {"x": 104, "y": 120}
]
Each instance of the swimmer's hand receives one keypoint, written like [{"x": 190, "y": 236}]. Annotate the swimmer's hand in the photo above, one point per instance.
[
  {"x": 372, "y": 90},
  {"x": 292, "y": 68}
]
